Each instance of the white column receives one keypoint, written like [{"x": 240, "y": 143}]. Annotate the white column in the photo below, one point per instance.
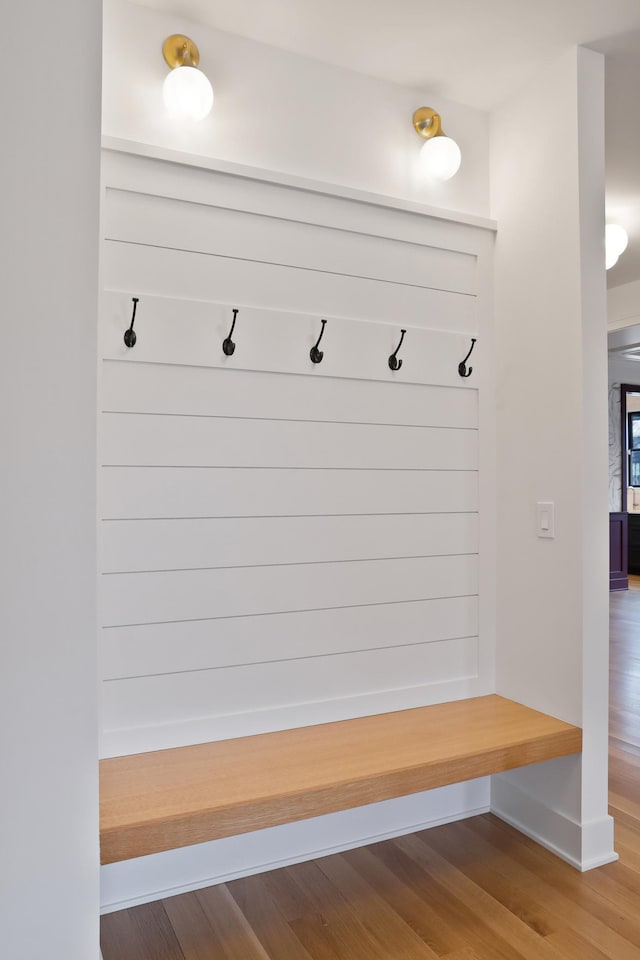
[
  {"x": 50, "y": 121},
  {"x": 552, "y": 599}
]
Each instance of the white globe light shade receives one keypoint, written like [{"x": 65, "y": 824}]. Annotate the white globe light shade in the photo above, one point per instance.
[
  {"x": 440, "y": 158},
  {"x": 610, "y": 258},
  {"x": 615, "y": 238},
  {"x": 187, "y": 93}
]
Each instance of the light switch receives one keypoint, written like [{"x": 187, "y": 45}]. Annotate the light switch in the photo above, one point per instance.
[{"x": 545, "y": 518}]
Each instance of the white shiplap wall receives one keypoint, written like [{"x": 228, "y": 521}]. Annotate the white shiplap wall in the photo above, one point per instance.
[{"x": 281, "y": 542}]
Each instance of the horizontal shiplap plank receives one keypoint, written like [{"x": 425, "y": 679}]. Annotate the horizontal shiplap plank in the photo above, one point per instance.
[
  {"x": 147, "y": 440},
  {"x": 197, "y": 594},
  {"x": 163, "y": 222},
  {"x": 187, "y": 276},
  {"x": 205, "y": 644},
  {"x": 260, "y": 687},
  {"x": 149, "y": 492},
  {"x": 137, "y": 545},
  {"x": 201, "y": 391},
  {"x": 380, "y": 216}
]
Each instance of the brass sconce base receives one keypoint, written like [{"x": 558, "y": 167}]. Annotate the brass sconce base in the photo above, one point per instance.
[
  {"x": 179, "y": 51},
  {"x": 427, "y": 123}
]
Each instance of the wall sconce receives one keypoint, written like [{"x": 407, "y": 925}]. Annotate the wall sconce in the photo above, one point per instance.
[
  {"x": 615, "y": 243},
  {"x": 440, "y": 156},
  {"x": 186, "y": 91}
]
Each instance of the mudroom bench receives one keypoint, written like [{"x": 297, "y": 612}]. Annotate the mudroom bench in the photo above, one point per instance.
[{"x": 173, "y": 798}]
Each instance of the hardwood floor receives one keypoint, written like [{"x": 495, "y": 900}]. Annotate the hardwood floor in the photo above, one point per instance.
[
  {"x": 624, "y": 666},
  {"x": 471, "y": 890}
]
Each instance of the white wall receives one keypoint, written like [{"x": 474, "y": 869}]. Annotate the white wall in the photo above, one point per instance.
[
  {"x": 623, "y": 371},
  {"x": 48, "y": 690},
  {"x": 282, "y": 112},
  {"x": 552, "y": 650},
  {"x": 623, "y": 305}
]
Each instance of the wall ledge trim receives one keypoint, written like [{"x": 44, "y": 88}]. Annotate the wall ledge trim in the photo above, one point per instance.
[{"x": 118, "y": 145}]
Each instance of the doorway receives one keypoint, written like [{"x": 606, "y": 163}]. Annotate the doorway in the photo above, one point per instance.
[{"x": 624, "y": 524}]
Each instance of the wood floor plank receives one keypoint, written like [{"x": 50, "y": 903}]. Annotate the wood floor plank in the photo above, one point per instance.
[
  {"x": 627, "y": 839},
  {"x": 320, "y": 916},
  {"x": 563, "y": 879},
  {"x": 447, "y": 917},
  {"x": 209, "y": 924},
  {"x": 628, "y": 854},
  {"x": 407, "y": 889},
  {"x": 623, "y": 803},
  {"x": 141, "y": 933},
  {"x": 558, "y": 911},
  {"x": 521, "y": 940},
  {"x": 478, "y": 933},
  {"x": 389, "y": 929},
  {"x": 330, "y": 941},
  {"x": 572, "y": 946},
  {"x": 267, "y": 922},
  {"x": 467, "y": 953},
  {"x": 492, "y": 872}
]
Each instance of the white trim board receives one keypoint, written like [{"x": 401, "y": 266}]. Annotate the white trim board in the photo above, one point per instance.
[{"x": 118, "y": 145}]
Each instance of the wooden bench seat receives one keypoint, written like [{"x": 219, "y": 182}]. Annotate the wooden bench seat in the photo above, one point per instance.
[{"x": 172, "y": 798}]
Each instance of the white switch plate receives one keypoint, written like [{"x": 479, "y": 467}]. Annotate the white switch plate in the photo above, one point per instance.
[{"x": 545, "y": 519}]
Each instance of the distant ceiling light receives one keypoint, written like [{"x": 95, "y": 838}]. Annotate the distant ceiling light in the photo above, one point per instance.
[
  {"x": 615, "y": 243},
  {"x": 187, "y": 92},
  {"x": 440, "y": 156}
]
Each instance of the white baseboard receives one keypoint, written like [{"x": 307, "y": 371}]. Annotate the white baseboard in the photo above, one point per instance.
[
  {"x": 584, "y": 846},
  {"x": 168, "y": 874}
]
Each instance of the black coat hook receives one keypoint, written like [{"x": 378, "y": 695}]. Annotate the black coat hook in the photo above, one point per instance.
[
  {"x": 462, "y": 366},
  {"x": 130, "y": 334},
  {"x": 228, "y": 346},
  {"x": 394, "y": 363},
  {"x": 315, "y": 354}
]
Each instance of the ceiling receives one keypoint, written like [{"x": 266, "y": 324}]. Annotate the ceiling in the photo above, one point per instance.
[{"x": 474, "y": 53}]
